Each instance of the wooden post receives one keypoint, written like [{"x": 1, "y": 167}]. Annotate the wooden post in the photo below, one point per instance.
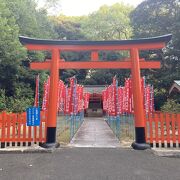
[
  {"x": 52, "y": 105},
  {"x": 139, "y": 116},
  {"x": 94, "y": 56}
]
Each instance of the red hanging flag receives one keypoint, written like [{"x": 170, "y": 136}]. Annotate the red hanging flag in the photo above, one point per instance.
[
  {"x": 147, "y": 99},
  {"x": 86, "y": 100},
  {"x": 115, "y": 84},
  {"x": 46, "y": 94},
  {"x": 80, "y": 101},
  {"x": 130, "y": 96},
  {"x": 70, "y": 94},
  {"x": 66, "y": 98},
  {"x": 152, "y": 99},
  {"x": 60, "y": 96},
  {"x": 120, "y": 99}
]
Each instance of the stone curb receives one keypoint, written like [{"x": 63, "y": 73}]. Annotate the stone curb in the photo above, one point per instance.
[
  {"x": 166, "y": 152},
  {"x": 35, "y": 149}
]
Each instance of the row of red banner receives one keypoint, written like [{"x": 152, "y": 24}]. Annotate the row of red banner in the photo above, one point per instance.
[
  {"x": 71, "y": 100},
  {"x": 119, "y": 100}
]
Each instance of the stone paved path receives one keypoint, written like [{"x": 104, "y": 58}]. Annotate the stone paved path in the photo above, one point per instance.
[{"x": 94, "y": 132}]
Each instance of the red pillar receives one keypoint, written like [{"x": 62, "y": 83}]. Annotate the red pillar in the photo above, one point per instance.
[
  {"x": 139, "y": 114},
  {"x": 52, "y": 105},
  {"x": 94, "y": 56}
]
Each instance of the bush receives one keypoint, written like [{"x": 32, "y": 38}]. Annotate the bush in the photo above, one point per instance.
[
  {"x": 2, "y": 100},
  {"x": 19, "y": 102},
  {"x": 171, "y": 106}
]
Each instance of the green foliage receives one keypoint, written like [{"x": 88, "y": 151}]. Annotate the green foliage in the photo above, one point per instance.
[
  {"x": 19, "y": 102},
  {"x": 109, "y": 22},
  {"x": 104, "y": 77},
  {"x": 67, "y": 28},
  {"x": 2, "y": 100},
  {"x": 52, "y": 6},
  {"x": 154, "y": 18},
  {"x": 171, "y": 106},
  {"x": 32, "y": 22},
  {"x": 160, "y": 97},
  {"x": 19, "y": 17},
  {"x": 18, "y": 105},
  {"x": 11, "y": 52}
]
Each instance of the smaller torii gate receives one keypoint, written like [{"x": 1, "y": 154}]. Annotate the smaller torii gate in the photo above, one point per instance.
[{"x": 133, "y": 63}]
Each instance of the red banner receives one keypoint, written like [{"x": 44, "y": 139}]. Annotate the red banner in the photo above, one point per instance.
[
  {"x": 86, "y": 100},
  {"x": 119, "y": 101},
  {"x": 80, "y": 98},
  {"x": 46, "y": 94},
  {"x": 60, "y": 96}
]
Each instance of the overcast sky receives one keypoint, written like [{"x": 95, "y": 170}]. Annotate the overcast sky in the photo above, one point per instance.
[{"x": 84, "y": 7}]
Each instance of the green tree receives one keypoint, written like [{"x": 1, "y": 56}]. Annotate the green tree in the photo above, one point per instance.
[
  {"x": 32, "y": 22},
  {"x": 52, "y": 6},
  {"x": 11, "y": 52},
  {"x": 68, "y": 28},
  {"x": 2, "y": 100},
  {"x": 18, "y": 102},
  {"x": 20, "y": 17},
  {"x": 154, "y": 18},
  {"x": 109, "y": 22},
  {"x": 171, "y": 106}
]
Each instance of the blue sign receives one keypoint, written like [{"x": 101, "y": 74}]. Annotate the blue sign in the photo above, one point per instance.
[{"x": 33, "y": 116}]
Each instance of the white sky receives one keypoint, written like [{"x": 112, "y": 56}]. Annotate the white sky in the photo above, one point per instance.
[{"x": 84, "y": 7}]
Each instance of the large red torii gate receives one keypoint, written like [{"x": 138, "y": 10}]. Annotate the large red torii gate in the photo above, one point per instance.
[{"x": 133, "y": 63}]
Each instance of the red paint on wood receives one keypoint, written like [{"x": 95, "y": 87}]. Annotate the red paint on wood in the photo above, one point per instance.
[
  {"x": 162, "y": 127},
  {"x": 95, "y": 65}
]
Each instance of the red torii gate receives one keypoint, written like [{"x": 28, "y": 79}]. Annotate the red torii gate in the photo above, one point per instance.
[{"x": 133, "y": 63}]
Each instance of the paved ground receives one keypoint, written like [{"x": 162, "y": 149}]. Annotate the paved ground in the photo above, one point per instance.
[
  {"x": 94, "y": 132},
  {"x": 89, "y": 164},
  {"x": 74, "y": 163}
]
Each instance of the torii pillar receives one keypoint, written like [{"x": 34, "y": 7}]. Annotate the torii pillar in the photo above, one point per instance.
[
  {"x": 139, "y": 114},
  {"x": 52, "y": 105},
  {"x": 133, "y": 63}
]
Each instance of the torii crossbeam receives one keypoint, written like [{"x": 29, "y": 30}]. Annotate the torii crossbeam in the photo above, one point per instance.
[{"x": 133, "y": 63}]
